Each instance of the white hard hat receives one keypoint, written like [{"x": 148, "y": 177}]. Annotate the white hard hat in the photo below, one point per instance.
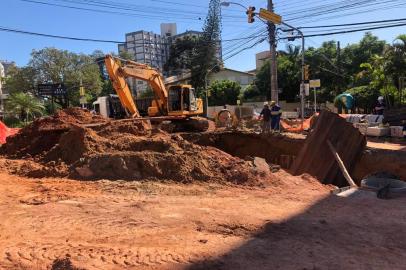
[{"x": 380, "y": 98}]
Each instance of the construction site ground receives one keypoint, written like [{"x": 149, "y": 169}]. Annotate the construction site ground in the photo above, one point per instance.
[
  {"x": 397, "y": 145},
  {"x": 82, "y": 192},
  {"x": 292, "y": 224}
]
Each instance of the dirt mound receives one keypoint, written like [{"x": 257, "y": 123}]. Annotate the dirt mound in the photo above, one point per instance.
[
  {"x": 78, "y": 116},
  {"x": 44, "y": 133},
  {"x": 77, "y": 144}
]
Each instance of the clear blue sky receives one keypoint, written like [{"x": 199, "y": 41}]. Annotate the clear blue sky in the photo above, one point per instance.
[{"x": 148, "y": 14}]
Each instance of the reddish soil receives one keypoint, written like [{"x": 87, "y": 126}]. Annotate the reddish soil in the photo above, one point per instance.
[
  {"x": 76, "y": 144},
  {"x": 276, "y": 148},
  {"x": 232, "y": 214},
  {"x": 291, "y": 223}
]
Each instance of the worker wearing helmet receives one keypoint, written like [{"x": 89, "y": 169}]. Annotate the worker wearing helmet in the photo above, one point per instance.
[
  {"x": 379, "y": 106},
  {"x": 266, "y": 118},
  {"x": 276, "y": 113}
]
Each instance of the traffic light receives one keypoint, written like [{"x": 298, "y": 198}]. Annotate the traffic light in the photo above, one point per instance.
[
  {"x": 81, "y": 91},
  {"x": 306, "y": 72},
  {"x": 250, "y": 12}
]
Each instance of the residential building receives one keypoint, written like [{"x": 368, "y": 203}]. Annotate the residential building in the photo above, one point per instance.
[
  {"x": 145, "y": 47},
  {"x": 241, "y": 77},
  {"x": 261, "y": 58},
  {"x": 4, "y": 67},
  {"x": 168, "y": 30},
  {"x": 187, "y": 33},
  {"x": 153, "y": 49}
]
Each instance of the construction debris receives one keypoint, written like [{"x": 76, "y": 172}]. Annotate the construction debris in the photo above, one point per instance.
[{"x": 315, "y": 156}]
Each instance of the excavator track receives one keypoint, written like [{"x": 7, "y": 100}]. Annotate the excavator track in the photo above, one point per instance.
[{"x": 191, "y": 124}]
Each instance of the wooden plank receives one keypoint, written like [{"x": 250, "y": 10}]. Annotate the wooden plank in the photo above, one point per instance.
[{"x": 341, "y": 164}]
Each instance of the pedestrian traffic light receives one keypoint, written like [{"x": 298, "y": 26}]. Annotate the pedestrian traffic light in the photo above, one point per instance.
[
  {"x": 306, "y": 72},
  {"x": 250, "y": 12}
]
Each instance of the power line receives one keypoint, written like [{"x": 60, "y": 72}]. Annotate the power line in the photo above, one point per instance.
[
  {"x": 144, "y": 12},
  {"x": 246, "y": 48},
  {"x": 57, "y": 36},
  {"x": 350, "y": 24},
  {"x": 5, "y": 29},
  {"x": 139, "y": 15},
  {"x": 318, "y": 17},
  {"x": 352, "y": 31}
]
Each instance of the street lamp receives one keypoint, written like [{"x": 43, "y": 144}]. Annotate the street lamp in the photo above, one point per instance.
[
  {"x": 207, "y": 88},
  {"x": 227, "y": 4}
]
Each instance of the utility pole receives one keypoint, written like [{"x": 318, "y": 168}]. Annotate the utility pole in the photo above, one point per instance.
[{"x": 273, "y": 61}]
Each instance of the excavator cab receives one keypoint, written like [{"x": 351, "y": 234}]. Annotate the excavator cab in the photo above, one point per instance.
[{"x": 182, "y": 100}]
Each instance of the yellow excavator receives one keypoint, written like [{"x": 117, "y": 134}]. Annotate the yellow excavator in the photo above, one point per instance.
[{"x": 177, "y": 104}]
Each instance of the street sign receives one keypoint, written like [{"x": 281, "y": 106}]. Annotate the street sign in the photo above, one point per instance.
[
  {"x": 270, "y": 16},
  {"x": 238, "y": 102},
  {"x": 315, "y": 83},
  {"x": 51, "y": 89}
]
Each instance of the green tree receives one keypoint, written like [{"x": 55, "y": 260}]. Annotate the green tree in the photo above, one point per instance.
[
  {"x": 396, "y": 57},
  {"x": 262, "y": 81},
  {"x": 289, "y": 72},
  {"x": 365, "y": 97},
  {"x": 25, "y": 105},
  {"x": 379, "y": 80},
  {"x": 20, "y": 79},
  {"x": 251, "y": 93},
  {"x": 62, "y": 66},
  {"x": 181, "y": 55},
  {"x": 224, "y": 92},
  {"x": 205, "y": 56},
  {"x": 356, "y": 54}
]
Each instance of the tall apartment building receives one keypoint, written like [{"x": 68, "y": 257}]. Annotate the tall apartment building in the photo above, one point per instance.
[
  {"x": 146, "y": 47},
  {"x": 168, "y": 29},
  {"x": 153, "y": 49}
]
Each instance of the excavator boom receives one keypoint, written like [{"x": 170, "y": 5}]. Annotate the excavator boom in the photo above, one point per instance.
[
  {"x": 119, "y": 72},
  {"x": 117, "y": 78}
]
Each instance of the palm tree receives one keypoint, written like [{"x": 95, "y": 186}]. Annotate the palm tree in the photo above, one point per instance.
[
  {"x": 397, "y": 56},
  {"x": 25, "y": 105}
]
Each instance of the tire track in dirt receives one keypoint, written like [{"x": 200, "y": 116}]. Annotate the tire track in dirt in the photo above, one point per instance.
[{"x": 91, "y": 256}]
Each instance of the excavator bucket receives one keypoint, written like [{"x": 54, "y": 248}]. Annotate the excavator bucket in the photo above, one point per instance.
[{"x": 113, "y": 67}]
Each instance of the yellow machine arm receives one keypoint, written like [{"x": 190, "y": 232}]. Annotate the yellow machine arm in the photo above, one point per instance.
[
  {"x": 117, "y": 78},
  {"x": 118, "y": 72}
]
